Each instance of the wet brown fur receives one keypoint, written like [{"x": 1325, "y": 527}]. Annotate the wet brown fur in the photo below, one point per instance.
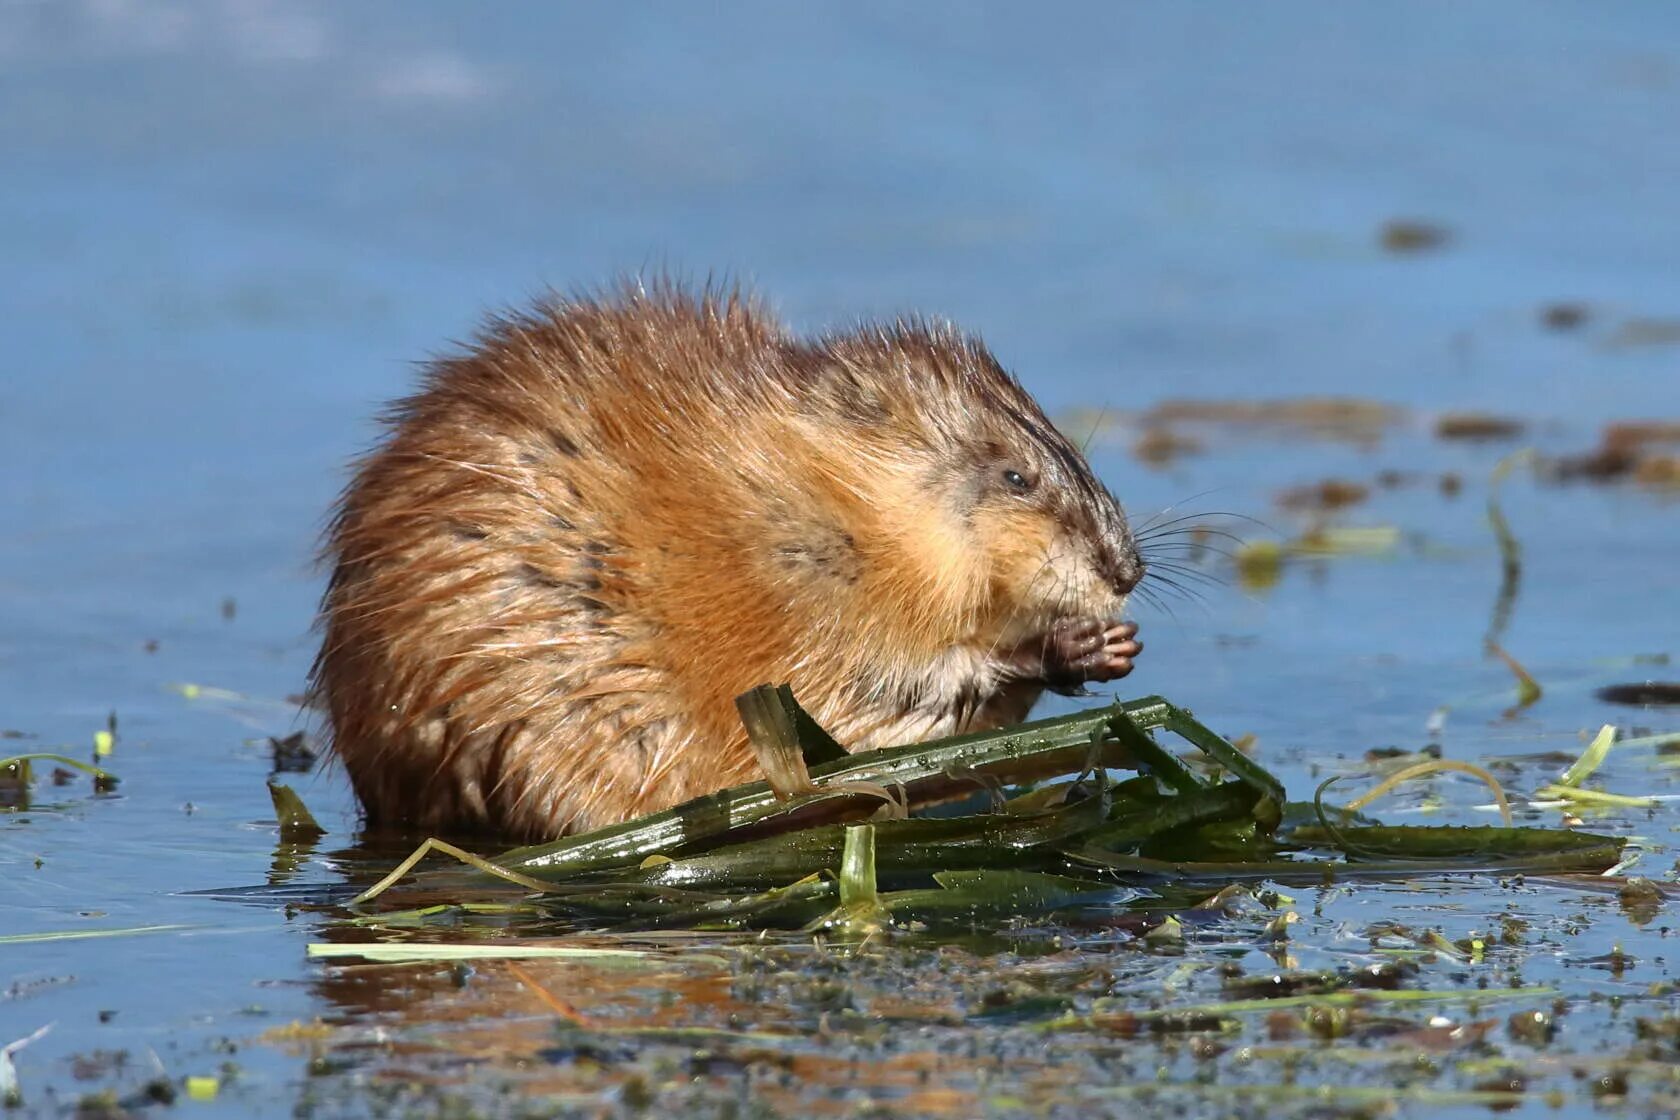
[{"x": 583, "y": 537}]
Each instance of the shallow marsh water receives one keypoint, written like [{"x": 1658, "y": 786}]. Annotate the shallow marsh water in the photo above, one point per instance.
[{"x": 230, "y": 228}]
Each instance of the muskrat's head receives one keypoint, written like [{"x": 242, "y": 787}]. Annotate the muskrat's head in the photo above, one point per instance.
[{"x": 999, "y": 515}]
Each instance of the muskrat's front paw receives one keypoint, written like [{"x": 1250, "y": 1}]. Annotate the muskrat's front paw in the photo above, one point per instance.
[{"x": 1080, "y": 651}]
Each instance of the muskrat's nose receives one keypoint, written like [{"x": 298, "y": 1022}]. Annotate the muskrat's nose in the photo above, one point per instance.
[{"x": 1122, "y": 572}]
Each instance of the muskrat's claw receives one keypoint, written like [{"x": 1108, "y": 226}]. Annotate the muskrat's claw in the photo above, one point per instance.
[{"x": 1078, "y": 651}]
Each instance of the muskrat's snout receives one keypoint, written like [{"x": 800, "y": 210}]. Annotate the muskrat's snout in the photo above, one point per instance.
[
  {"x": 1118, "y": 562},
  {"x": 1122, "y": 568}
]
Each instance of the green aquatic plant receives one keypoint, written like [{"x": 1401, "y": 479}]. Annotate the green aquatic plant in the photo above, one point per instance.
[{"x": 971, "y": 829}]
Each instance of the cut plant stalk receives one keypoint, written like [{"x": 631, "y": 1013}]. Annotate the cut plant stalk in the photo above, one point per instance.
[
  {"x": 905, "y": 849},
  {"x": 788, "y": 852},
  {"x": 927, "y": 772}
]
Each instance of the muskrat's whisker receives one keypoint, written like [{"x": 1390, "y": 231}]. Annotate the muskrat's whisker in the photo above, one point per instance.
[
  {"x": 1155, "y": 518},
  {"x": 1096, "y": 426},
  {"x": 1161, "y": 521},
  {"x": 1177, "y": 560},
  {"x": 1149, "y": 596},
  {"x": 1156, "y": 545},
  {"x": 1204, "y": 524},
  {"x": 1185, "y": 571},
  {"x": 1176, "y": 586},
  {"x": 1167, "y": 584},
  {"x": 1189, "y": 527},
  {"x": 1196, "y": 591},
  {"x": 1180, "y": 580},
  {"x": 1184, "y": 548},
  {"x": 1192, "y": 596},
  {"x": 1191, "y": 532}
]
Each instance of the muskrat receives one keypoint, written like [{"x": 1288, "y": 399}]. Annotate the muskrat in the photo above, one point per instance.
[{"x": 588, "y": 533}]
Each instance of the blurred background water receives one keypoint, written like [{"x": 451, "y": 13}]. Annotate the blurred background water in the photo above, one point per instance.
[{"x": 230, "y": 229}]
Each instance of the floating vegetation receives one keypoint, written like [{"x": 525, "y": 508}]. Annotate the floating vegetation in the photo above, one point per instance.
[
  {"x": 293, "y": 753},
  {"x": 1352, "y": 419},
  {"x": 1026, "y": 820},
  {"x": 11, "y": 1091},
  {"x": 463, "y": 952},
  {"x": 1176, "y": 428},
  {"x": 1564, "y": 315},
  {"x": 1329, "y": 494},
  {"x": 1568, "y": 789},
  {"x": 1412, "y": 235},
  {"x": 1159, "y": 445},
  {"x": 1260, "y": 563},
  {"x": 1420, "y": 769},
  {"x": 297, "y": 823},
  {"x": 1641, "y": 694},
  {"x": 1477, "y": 426},
  {"x": 1639, "y": 450},
  {"x": 1369, "y": 540},
  {"x": 17, "y": 774},
  {"x": 1645, "y": 331},
  {"x": 84, "y": 934}
]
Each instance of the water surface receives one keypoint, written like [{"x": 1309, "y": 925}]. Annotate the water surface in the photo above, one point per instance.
[{"x": 233, "y": 227}]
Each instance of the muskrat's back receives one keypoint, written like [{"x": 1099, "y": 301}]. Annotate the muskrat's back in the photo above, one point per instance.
[{"x": 585, "y": 536}]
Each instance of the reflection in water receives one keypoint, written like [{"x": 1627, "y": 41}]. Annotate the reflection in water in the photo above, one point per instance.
[
  {"x": 784, "y": 1023},
  {"x": 1510, "y": 551}
]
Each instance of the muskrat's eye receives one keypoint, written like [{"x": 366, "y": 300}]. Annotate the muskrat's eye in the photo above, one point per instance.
[{"x": 1015, "y": 480}]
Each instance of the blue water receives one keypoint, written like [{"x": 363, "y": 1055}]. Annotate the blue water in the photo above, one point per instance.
[{"x": 230, "y": 228}]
